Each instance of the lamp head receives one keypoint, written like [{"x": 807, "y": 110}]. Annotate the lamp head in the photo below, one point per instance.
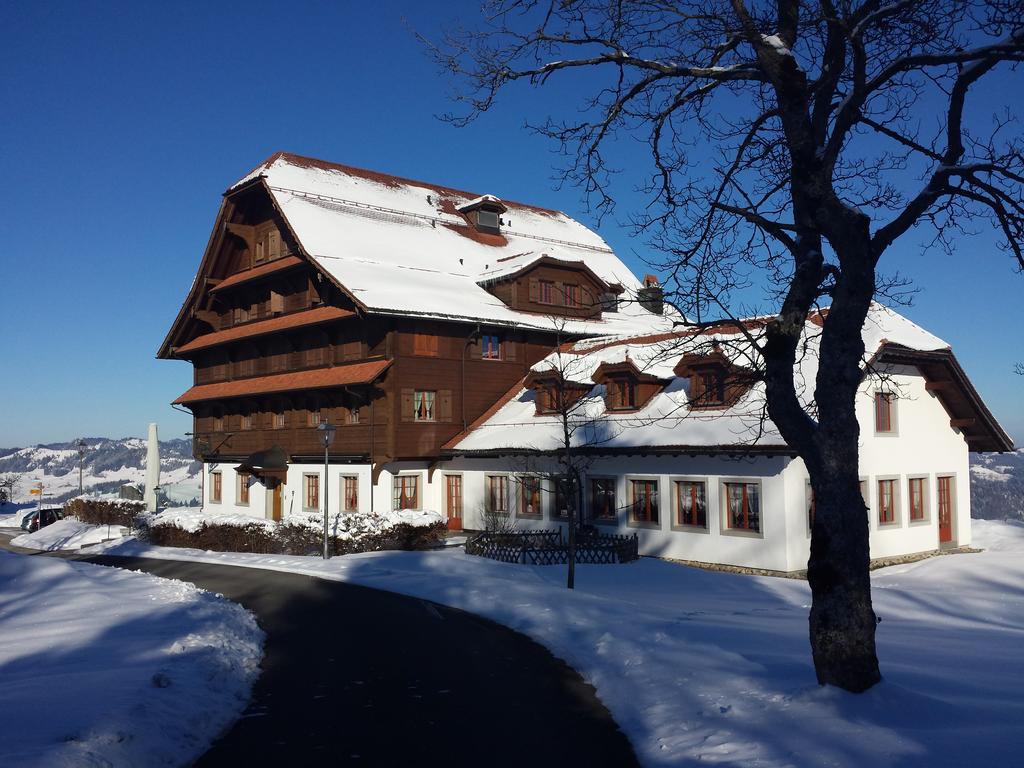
[{"x": 326, "y": 433}]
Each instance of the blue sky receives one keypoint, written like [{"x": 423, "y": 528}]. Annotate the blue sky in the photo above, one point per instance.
[{"x": 123, "y": 124}]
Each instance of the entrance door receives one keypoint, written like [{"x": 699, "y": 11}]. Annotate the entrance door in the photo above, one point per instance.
[
  {"x": 453, "y": 488},
  {"x": 945, "y": 509},
  {"x": 274, "y": 504}
]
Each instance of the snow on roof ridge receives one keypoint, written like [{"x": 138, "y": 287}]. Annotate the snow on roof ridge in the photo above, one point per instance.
[{"x": 306, "y": 161}]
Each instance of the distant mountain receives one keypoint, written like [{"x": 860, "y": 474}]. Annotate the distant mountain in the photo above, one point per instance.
[
  {"x": 997, "y": 485},
  {"x": 106, "y": 466}
]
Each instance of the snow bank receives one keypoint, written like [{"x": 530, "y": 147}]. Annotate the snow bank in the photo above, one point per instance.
[
  {"x": 106, "y": 667},
  {"x": 701, "y": 666},
  {"x": 68, "y": 533}
]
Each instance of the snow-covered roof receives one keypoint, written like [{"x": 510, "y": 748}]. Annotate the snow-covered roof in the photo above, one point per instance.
[
  {"x": 401, "y": 246},
  {"x": 667, "y": 420}
]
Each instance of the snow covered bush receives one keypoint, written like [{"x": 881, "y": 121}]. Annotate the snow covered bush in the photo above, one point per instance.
[
  {"x": 406, "y": 529},
  {"x": 98, "y": 512}
]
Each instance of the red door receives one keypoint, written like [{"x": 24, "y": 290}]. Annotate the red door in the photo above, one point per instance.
[
  {"x": 453, "y": 485},
  {"x": 945, "y": 509}
]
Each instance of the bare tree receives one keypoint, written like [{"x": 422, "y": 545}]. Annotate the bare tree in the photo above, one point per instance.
[
  {"x": 8, "y": 484},
  {"x": 794, "y": 137}
]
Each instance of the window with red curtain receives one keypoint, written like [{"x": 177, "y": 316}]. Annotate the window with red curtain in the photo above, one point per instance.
[
  {"x": 311, "y": 491},
  {"x": 743, "y": 506},
  {"x": 884, "y": 411},
  {"x": 406, "y": 492},
  {"x": 886, "y": 502},
  {"x": 645, "y": 501},
  {"x": 691, "y": 503},
  {"x": 350, "y": 493},
  {"x": 917, "y": 491}
]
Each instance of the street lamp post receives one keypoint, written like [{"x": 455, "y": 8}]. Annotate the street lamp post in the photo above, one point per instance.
[
  {"x": 81, "y": 446},
  {"x": 326, "y": 433}
]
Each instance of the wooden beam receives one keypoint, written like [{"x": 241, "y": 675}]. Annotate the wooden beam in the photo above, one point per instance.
[
  {"x": 206, "y": 316},
  {"x": 246, "y": 232},
  {"x": 961, "y": 423},
  {"x": 939, "y": 386}
]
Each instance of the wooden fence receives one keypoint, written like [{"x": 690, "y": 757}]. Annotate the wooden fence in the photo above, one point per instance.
[{"x": 549, "y": 547}]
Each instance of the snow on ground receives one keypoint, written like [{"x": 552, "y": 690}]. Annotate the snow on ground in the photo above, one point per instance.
[
  {"x": 699, "y": 666},
  {"x": 104, "y": 667},
  {"x": 68, "y": 533}
]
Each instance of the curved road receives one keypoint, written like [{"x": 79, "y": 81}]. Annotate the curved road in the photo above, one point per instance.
[{"x": 353, "y": 675}]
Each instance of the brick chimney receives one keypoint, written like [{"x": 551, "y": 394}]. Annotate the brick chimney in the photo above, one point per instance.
[{"x": 651, "y": 296}]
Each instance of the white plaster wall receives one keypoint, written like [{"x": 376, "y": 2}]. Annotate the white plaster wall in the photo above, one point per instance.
[
  {"x": 923, "y": 445},
  {"x": 713, "y": 544}
]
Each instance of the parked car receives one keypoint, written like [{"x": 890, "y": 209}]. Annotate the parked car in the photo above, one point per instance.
[{"x": 49, "y": 515}]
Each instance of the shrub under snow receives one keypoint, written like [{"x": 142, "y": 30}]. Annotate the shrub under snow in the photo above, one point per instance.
[{"x": 407, "y": 529}]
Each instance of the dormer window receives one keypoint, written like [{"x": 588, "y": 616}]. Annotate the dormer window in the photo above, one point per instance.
[
  {"x": 621, "y": 394},
  {"x": 553, "y": 394},
  {"x": 485, "y": 212},
  {"x": 712, "y": 387},
  {"x": 626, "y": 387}
]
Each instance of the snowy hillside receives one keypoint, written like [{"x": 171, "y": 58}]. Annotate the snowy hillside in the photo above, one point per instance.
[
  {"x": 997, "y": 485},
  {"x": 107, "y": 465}
]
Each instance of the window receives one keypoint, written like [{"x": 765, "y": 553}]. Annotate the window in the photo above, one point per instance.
[
  {"x": 215, "y": 487},
  {"x": 352, "y": 415},
  {"x": 884, "y": 407},
  {"x": 424, "y": 344},
  {"x": 917, "y": 498},
  {"x": 406, "y": 492},
  {"x": 691, "y": 503},
  {"x": 645, "y": 501},
  {"x": 218, "y": 423},
  {"x": 490, "y": 347},
  {"x": 311, "y": 491},
  {"x": 621, "y": 394},
  {"x": 712, "y": 388},
  {"x": 573, "y": 296},
  {"x": 602, "y": 498},
  {"x": 487, "y": 219},
  {"x": 423, "y": 405},
  {"x": 244, "y": 480},
  {"x": 497, "y": 493},
  {"x": 531, "y": 500},
  {"x": 743, "y": 507},
  {"x": 350, "y": 493},
  {"x": 546, "y": 292},
  {"x": 278, "y": 420},
  {"x": 886, "y": 502},
  {"x": 314, "y": 416},
  {"x": 246, "y": 421}
]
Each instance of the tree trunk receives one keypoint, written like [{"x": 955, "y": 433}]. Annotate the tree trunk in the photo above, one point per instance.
[{"x": 842, "y": 621}]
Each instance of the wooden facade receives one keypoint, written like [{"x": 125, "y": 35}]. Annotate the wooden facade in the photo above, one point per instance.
[{"x": 277, "y": 346}]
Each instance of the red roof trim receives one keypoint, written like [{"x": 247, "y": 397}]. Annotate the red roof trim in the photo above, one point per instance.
[
  {"x": 320, "y": 378},
  {"x": 262, "y": 327}
]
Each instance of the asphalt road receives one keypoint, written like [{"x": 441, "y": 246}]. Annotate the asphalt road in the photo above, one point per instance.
[{"x": 357, "y": 676}]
